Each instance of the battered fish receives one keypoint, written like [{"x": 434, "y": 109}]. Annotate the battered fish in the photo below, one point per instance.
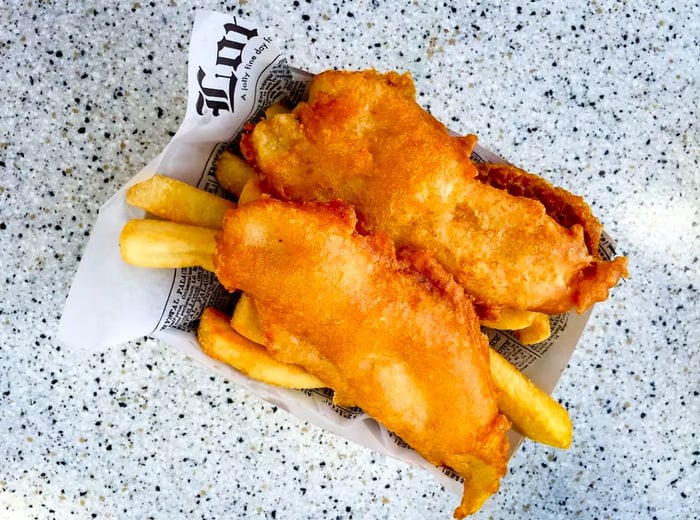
[
  {"x": 363, "y": 139},
  {"x": 393, "y": 335}
]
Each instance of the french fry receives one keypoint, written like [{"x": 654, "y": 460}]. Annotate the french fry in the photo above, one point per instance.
[
  {"x": 528, "y": 326},
  {"x": 245, "y": 320},
  {"x": 251, "y": 191},
  {"x": 538, "y": 330},
  {"x": 160, "y": 243},
  {"x": 276, "y": 108},
  {"x": 511, "y": 319},
  {"x": 531, "y": 411},
  {"x": 177, "y": 201},
  {"x": 219, "y": 341},
  {"x": 232, "y": 172}
]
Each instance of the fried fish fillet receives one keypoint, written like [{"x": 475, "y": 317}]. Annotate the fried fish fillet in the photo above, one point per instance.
[
  {"x": 362, "y": 138},
  {"x": 392, "y": 334},
  {"x": 564, "y": 207}
]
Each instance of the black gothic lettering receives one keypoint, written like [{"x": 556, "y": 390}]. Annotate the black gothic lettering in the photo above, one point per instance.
[
  {"x": 215, "y": 99},
  {"x": 228, "y": 57}
]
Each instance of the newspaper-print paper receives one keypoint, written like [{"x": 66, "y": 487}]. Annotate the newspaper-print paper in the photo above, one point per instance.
[{"x": 235, "y": 71}]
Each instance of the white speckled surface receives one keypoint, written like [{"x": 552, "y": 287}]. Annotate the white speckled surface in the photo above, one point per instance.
[{"x": 600, "y": 98}]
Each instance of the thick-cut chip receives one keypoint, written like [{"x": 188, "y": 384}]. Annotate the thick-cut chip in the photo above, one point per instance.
[
  {"x": 538, "y": 330},
  {"x": 219, "y": 341},
  {"x": 510, "y": 319},
  {"x": 232, "y": 172},
  {"x": 531, "y": 411},
  {"x": 245, "y": 320},
  {"x": 159, "y": 243},
  {"x": 276, "y": 108},
  {"x": 251, "y": 191},
  {"x": 177, "y": 201}
]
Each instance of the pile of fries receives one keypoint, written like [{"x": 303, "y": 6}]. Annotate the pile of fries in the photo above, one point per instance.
[{"x": 183, "y": 234}]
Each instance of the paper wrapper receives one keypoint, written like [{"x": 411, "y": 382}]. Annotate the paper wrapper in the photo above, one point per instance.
[{"x": 235, "y": 72}]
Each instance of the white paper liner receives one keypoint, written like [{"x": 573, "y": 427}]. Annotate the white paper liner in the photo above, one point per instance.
[{"x": 235, "y": 71}]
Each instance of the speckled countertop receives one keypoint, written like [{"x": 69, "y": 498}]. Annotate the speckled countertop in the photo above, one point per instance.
[{"x": 601, "y": 98}]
